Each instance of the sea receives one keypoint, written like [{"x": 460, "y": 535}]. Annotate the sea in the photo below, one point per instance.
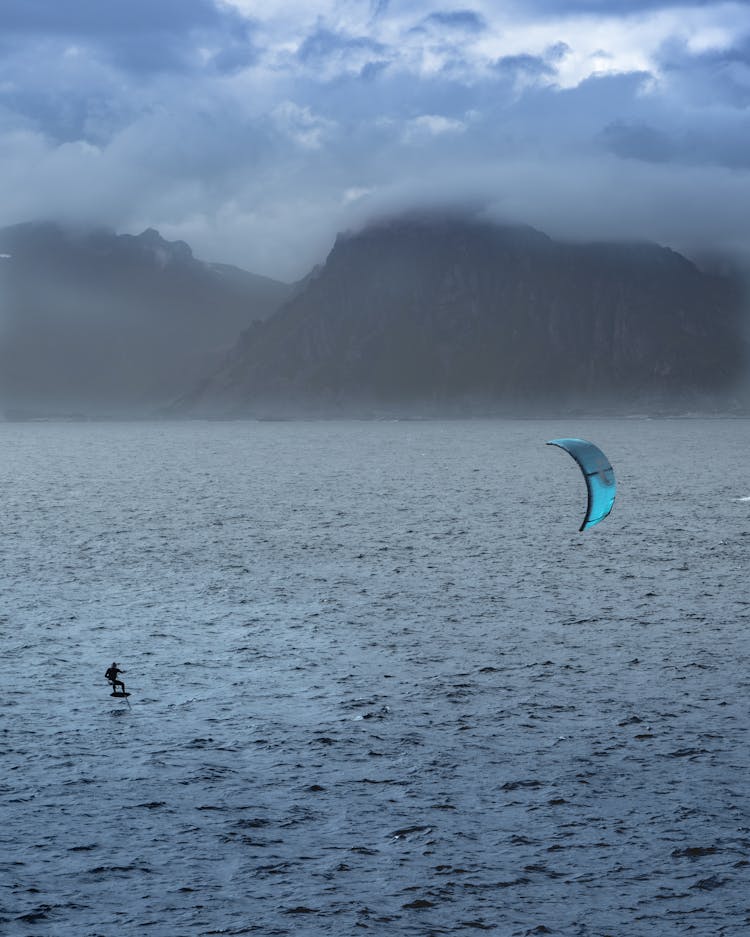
[{"x": 379, "y": 681}]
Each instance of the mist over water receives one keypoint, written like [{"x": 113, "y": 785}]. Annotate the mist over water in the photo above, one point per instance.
[{"x": 379, "y": 680}]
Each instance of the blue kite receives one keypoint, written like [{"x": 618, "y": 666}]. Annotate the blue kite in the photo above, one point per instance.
[{"x": 599, "y": 475}]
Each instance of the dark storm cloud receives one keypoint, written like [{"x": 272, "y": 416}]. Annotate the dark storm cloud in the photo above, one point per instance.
[
  {"x": 558, "y": 51},
  {"x": 324, "y": 44},
  {"x": 693, "y": 146},
  {"x": 576, "y": 116},
  {"x": 715, "y": 74},
  {"x": 532, "y": 66},
  {"x": 140, "y": 36},
  {"x": 235, "y": 58},
  {"x": 608, "y": 7},
  {"x": 97, "y": 17},
  {"x": 380, "y": 91},
  {"x": 713, "y": 130},
  {"x": 98, "y": 58},
  {"x": 465, "y": 20},
  {"x": 64, "y": 117},
  {"x": 371, "y": 71},
  {"x": 638, "y": 141},
  {"x": 256, "y": 139}
]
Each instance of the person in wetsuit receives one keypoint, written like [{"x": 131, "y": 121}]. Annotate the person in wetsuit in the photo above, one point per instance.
[{"x": 111, "y": 675}]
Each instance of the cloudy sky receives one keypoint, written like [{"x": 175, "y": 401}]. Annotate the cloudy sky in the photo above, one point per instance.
[{"x": 255, "y": 131}]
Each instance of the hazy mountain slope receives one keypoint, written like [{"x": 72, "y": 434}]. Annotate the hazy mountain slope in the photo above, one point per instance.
[
  {"x": 431, "y": 314},
  {"x": 99, "y": 323}
]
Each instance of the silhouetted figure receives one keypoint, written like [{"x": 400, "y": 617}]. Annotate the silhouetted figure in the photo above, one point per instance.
[{"x": 111, "y": 675}]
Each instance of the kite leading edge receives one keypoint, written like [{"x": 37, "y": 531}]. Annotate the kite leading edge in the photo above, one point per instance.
[{"x": 599, "y": 475}]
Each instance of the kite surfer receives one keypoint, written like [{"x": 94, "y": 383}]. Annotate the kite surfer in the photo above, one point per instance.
[{"x": 111, "y": 675}]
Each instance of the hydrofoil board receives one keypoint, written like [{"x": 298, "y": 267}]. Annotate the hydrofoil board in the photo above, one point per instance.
[{"x": 115, "y": 693}]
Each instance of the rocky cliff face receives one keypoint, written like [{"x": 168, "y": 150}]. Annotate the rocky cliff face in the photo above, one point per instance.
[
  {"x": 95, "y": 323},
  {"x": 445, "y": 315}
]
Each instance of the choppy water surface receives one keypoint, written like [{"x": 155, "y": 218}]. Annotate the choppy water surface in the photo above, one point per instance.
[{"x": 379, "y": 681}]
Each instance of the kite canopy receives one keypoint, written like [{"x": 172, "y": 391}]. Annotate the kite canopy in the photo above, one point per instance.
[{"x": 599, "y": 475}]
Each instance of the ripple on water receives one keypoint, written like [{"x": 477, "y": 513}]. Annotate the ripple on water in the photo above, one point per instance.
[{"x": 374, "y": 685}]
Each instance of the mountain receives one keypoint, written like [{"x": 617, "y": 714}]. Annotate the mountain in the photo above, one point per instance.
[
  {"x": 428, "y": 315},
  {"x": 97, "y": 323}
]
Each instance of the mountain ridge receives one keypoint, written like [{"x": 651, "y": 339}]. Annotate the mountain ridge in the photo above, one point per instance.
[
  {"x": 435, "y": 314},
  {"x": 101, "y": 323}
]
